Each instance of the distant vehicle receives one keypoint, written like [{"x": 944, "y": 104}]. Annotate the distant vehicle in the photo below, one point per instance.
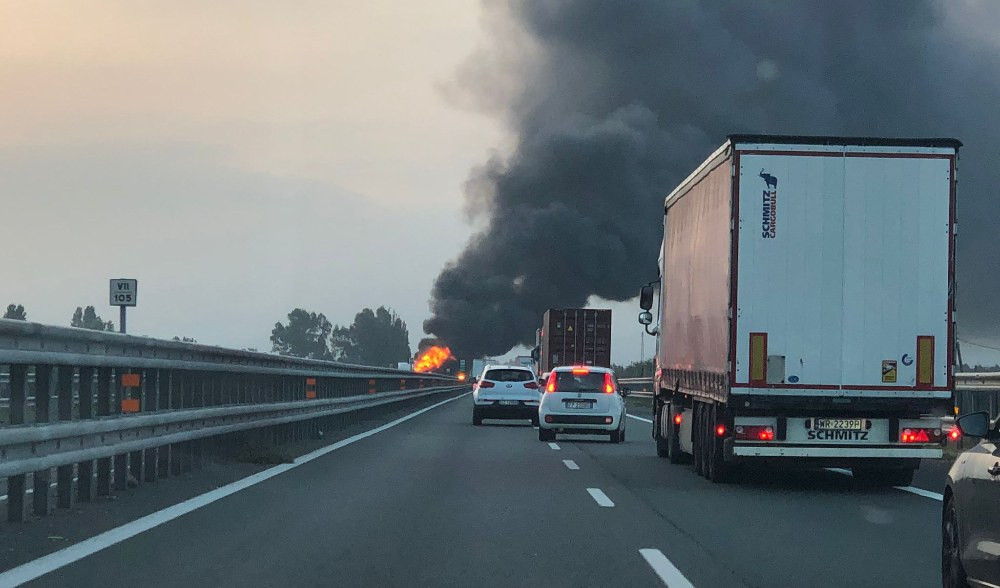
[
  {"x": 970, "y": 525},
  {"x": 404, "y": 365},
  {"x": 582, "y": 399},
  {"x": 478, "y": 365},
  {"x": 525, "y": 361},
  {"x": 795, "y": 326},
  {"x": 505, "y": 392},
  {"x": 573, "y": 336}
]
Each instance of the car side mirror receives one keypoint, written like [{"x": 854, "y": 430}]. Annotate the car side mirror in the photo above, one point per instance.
[
  {"x": 646, "y": 298},
  {"x": 645, "y": 318},
  {"x": 625, "y": 391},
  {"x": 975, "y": 424}
]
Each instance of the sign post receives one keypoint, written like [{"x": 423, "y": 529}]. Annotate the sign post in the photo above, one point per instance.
[{"x": 124, "y": 292}]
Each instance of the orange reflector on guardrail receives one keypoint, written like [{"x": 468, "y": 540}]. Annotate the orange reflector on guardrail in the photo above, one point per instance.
[
  {"x": 130, "y": 405},
  {"x": 131, "y": 381},
  {"x": 310, "y": 388},
  {"x": 925, "y": 361},
  {"x": 758, "y": 358}
]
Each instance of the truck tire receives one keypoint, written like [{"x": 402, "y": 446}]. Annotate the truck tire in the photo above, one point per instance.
[
  {"x": 883, "y": 477},
  {"x": 662, "y": 450},
  {"x": 700, "y": 424},
  {"x": 718, "y": 469},
  {"x": 673, "y": 440}
]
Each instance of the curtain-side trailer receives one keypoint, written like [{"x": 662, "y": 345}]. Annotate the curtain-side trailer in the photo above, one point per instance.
[{"x": 806, "y": 310}]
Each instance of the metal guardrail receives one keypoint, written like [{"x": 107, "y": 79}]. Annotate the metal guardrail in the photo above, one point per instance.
[{"x": 144, "y": 408}]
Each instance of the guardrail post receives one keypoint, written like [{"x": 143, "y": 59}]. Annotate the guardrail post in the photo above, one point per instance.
[
  {"x": 16, "y": 484},
  {"x": 198, "y": 444},
  {"x": 40, "y": 479},
  {"x": 165, "y": 398},
  {"x": 64, "y": 474},
  {"x": 121, "y": 459},
  {"x": 151, "y": 384},
  {"x": 176, "y": 396},
  {"x": 85, "y": 469},
  {"x": 104, "y": 409},
  {"x": 187, "y": 402}
]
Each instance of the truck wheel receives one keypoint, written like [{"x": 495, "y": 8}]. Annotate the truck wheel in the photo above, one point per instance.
[
  {"x": 673, "y": 440},
  {"x": 662, "y": 450},
  {"x": 887, "y": 477},
  {"x": 718, "y": 469},
  {"x": 699, "y": 440}
]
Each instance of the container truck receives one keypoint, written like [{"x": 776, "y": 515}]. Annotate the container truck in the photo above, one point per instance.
[
  {"x": 806, "y": 306},
  {"x": 574, "y": 336}
]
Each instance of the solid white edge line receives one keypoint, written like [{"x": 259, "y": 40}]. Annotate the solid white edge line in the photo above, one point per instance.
[
  {"x": 910, "y": 489},
  {"x": 667, "y": 571},
  {"x": 570, "y": 464},
  {"x": 639, "y": 418},
  {"x": 554, "y": 446},
  {"x": 596, "y": 493},
  {"x": 36, "y": 568}
]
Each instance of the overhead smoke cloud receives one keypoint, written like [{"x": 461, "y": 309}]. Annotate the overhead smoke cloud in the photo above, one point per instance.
[{"x": 611, "y": 104}]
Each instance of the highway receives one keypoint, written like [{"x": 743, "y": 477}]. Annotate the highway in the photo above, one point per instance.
[{"x": 434, "y": 501}]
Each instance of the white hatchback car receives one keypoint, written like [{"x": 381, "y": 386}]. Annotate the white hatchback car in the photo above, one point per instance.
[
  {"x": 505, "y": 392},
  {"x": 583, "y": 400}
]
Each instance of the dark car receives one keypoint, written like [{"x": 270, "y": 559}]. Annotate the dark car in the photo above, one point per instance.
[{"x": 970, "y": 525}]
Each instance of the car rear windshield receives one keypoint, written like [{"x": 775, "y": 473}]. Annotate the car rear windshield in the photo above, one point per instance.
[
  {"x": 570, "y": 382},
  {"x": 509, "y": 376}
]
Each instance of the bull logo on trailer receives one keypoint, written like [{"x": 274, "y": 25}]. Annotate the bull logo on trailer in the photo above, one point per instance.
[{"x": 769, "y": 225}]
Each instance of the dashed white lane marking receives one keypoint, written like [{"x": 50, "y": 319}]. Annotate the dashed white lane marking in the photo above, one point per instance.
[
  {"x": 910, "y": 489},
  {"x": 570, "y": 464},
  {"x": 554, "y": 446},
  {"x": 639, "y": 418},
  {"x": 667, "y": 571},
  {"x": 600, "y": 497},
  {"x": 43, "y": 565}
]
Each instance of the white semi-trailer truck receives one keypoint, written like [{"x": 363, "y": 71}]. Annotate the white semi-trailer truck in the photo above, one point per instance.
[{"x": 806, "y": 306}]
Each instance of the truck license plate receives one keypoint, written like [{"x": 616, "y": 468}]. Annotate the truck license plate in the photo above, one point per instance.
[
  {"x": 839, "y": 424},
  {"x": 578, "y": 404}
]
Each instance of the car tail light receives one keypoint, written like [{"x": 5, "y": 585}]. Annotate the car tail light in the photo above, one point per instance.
[
  {"x": 486, "y": 384},
  {"x": 609, "y": 384},
  {"x": 549, "y": 418},
  {"x": 720, "y": 430},
  {"x": 678, "y": 418},
  {"x": 550, "y": 386},
  {"x": 921, "y": 435},
  {"x": 581, "y": 371},
  {"x": 531, "y": 385},
  {"x": 608, "y": 420},
  {"x": 754, "y": 432}
]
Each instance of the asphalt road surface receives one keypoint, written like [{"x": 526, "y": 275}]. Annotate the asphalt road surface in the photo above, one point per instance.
[{"x": 435, "y": 501}]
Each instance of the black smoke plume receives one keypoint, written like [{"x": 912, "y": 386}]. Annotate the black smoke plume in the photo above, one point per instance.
[{"x": 611, "y": 104}]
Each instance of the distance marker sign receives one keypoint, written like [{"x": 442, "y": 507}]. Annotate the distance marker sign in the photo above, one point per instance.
[{"x": 124, "y": 292}]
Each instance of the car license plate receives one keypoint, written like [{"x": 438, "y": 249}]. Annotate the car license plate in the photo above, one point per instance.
[
  {"x": 578, "y": 404},
  {"x": 839, "y": 424},
  {"x": 509, "y": 402}
]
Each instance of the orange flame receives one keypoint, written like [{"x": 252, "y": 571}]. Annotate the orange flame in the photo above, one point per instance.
[{"x": 433, "y": 358}]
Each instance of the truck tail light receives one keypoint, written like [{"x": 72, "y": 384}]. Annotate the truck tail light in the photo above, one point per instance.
[
  {"x": 720, "y": 430},
  {"x": 550, "y": 386},
  {"x": 754, "y": 432},
  {"x": 486, "y": 384},
  {"x": 531, "y": 385},
  {"x": 921, "y": 435},
  {"x": 758, "y": 358},
  {"x": 955, "y": 434},
  {"x": 609, "y": 384},
  {"x": 678, "y": 418},
  {"x": 925, "y": 361}
]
